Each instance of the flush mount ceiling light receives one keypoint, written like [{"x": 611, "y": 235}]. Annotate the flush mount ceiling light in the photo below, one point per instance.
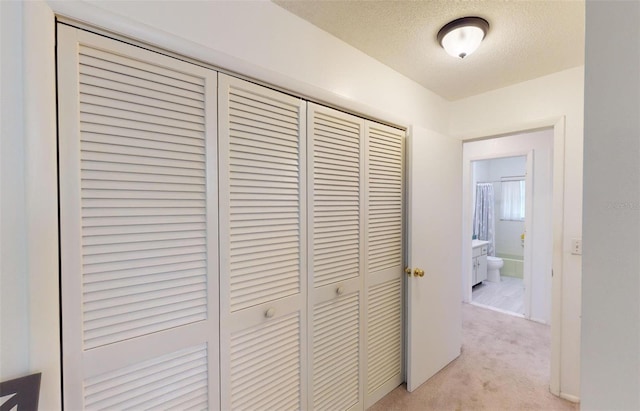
[{"x": 462, "y": 37}]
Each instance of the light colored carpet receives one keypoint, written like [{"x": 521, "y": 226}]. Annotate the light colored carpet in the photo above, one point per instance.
[{"x": 504, "y": 365}]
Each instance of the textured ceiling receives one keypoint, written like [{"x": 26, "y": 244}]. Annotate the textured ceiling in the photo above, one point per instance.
[{"x": 527, "y": 39}]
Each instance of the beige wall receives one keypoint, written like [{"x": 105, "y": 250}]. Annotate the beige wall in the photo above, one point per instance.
[
  {"x": 611, "y": 267},
  {"x": 14, "y": 302}
]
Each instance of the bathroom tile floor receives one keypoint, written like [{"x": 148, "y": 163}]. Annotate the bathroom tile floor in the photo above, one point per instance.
[{"x": 507, "y": 295}]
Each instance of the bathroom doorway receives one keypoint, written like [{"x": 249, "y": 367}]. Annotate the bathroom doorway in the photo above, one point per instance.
[
  {"x": 498, "y": 162},
  {"x": 546, "y": 141},
  {"x": 499, "y": 192}
]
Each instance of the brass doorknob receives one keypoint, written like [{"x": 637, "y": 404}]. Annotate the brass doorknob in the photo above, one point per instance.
[
  {"x": 418, "y": 272},
  {"x": 407, "y": 270}
]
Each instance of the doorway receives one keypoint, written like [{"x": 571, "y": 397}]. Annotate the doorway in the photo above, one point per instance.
[
  {"x": 546, "y": 145},
  {"x": 537, "y": 147},
  {"x": 501, "y": 213}
]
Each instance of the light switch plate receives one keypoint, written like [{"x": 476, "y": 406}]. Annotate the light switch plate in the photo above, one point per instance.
[{"x": 576, "y": 246}]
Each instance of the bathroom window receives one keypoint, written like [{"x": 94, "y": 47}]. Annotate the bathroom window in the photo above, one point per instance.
[{"x": 512, "y": 203}]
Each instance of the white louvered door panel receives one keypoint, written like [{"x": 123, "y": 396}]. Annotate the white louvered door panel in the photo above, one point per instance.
[
  {"x": 336, "y": 255},
  {"x": 384, "y": 247},
  {"x": 263, "y": 247},
  {"x": 138, "y": 208}
]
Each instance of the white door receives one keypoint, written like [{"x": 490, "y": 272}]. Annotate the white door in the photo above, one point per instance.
[
  {"x": 336, "y": 255},
  {"x": 434, "y": 325},
  {"x": 138, "y": 214},
  {"x": 263, "y": 279}
]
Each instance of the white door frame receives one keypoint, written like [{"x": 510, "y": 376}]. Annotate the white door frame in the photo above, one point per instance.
[{"x": 558, "y": 126}]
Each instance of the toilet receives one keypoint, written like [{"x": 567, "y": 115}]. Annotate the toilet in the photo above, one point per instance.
[{"x": 494, "y": 264}]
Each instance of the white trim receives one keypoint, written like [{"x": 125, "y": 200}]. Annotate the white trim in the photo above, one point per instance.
[
  {"x": 41, "y": 191},
  {"x": 500, "y": 310},
  {"x": 559, "y": 133},
  {"x": 569, "y": 397},
  {"x": 529, "y": 229},
  {"x": 501, "y": 131}
]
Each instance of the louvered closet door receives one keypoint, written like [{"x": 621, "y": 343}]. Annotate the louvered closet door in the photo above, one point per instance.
[
  {"x": 138, "y": 212},
  {"x": 262, "y": 247},
  {"x": 383, "y": 278},
  {"x": 336, "y": 259}
]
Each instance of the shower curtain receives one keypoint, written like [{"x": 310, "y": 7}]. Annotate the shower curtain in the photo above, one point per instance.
[{"x": 483, "y": 216}]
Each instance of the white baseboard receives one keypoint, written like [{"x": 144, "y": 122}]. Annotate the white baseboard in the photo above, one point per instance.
[
  {"x": 540, "y": 320},
  {"x": 500, "y": 310},
  {"x": 569, "y": 397}
]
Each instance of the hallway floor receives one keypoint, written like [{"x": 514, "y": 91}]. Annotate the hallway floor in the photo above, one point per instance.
[
  {"x": 507, "y": 295},
  {"x": 504, "y": 365}
]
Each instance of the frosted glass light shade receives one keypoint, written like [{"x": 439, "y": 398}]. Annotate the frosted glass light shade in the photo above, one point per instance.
[
  {"x": 463, "y": 41},
  {"x": 463, "y": 36}
]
